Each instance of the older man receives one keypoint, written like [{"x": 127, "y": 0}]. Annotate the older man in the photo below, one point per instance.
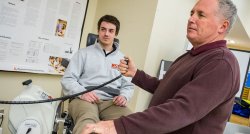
[{"x": 197, "y": 93}]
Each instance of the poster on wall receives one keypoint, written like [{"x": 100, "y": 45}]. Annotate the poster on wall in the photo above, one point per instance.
[{"x": 37, "y": 35}]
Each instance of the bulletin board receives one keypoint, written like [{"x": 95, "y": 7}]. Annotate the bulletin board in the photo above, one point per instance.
[{"x": 37, "y": 35}]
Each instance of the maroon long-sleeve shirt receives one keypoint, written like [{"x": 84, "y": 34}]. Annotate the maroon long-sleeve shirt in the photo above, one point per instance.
[{"x": 194, "y": 97}]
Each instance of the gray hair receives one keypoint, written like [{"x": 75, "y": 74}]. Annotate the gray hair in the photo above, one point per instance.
[{"x": 229, "y": 11}]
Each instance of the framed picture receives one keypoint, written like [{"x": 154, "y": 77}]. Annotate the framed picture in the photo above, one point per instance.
[{"x": 37, "y": 35}]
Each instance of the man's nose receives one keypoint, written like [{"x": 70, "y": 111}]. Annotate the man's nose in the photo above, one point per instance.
[
  {"x": 192, "y": 18},
  {"x": 107, "y": 32}
]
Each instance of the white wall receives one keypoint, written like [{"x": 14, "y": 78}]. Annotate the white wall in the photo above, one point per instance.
[
  {"x": 89, "y": 21},
  {"x": 244, "y": 13}
]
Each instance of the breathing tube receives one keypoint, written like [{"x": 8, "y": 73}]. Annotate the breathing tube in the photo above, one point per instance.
[{"x": 60, "y": 98}]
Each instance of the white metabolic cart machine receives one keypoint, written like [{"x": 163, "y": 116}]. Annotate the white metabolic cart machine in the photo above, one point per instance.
[
  {"x": 34, "y": 118},
  {"x": 35, "y": 112}
]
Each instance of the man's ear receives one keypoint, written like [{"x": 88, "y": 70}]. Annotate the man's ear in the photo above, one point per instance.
[{"x": 225, "y": 25}]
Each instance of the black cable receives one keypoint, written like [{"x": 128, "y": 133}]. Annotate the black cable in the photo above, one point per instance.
[
  {"x": 28, "y": 131},
  {"x": 60, "y": 98},
  {"x": 1, "y": 121}
]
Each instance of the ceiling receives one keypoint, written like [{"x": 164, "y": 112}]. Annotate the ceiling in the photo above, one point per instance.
[{"x": 238, "y": 37}]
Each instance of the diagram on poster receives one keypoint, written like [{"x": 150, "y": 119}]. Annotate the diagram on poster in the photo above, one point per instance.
[{"x": 37, "y": 35}]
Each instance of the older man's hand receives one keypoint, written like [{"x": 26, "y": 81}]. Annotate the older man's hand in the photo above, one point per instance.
[{"x": 103, "y": 127}]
